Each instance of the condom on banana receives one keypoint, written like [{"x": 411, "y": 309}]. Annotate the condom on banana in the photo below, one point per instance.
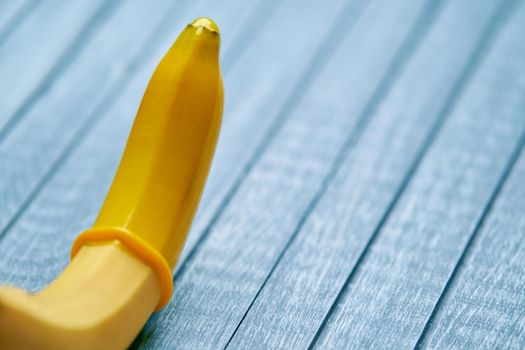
[{"x": 121, "y": 268}]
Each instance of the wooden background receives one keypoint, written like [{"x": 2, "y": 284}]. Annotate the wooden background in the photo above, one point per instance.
[{"x": 368, "y": 189}]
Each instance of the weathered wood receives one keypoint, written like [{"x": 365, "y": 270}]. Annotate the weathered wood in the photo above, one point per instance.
[
  {"x": 302, "y": 288},
  {"x": 484, "y": 307},
  {"x": 346, "y": 205},
  {"x": 40, "y": 49},
  {"x": 391, "y": 295},
  {"x": 217, "y": 285}
]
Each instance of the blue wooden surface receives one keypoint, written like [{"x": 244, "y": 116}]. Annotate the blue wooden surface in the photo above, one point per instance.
[{"x": 367, "y": 189}]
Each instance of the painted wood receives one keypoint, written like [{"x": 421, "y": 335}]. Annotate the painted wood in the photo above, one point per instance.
[
  {"x": 39, "y": 50},
  {"x": 346, "y": 205},
  {"x": 218, "y": 284},
  {"x": 484, "y": 306},
  {"x": 391, "y": 295},
  {"x": 85, "y": 173},
  {"x": 297, "y": 297}
]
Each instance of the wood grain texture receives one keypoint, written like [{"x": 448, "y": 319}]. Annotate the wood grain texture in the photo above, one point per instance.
[
  {"x": 216, "y": 288},
  {"x": 484, "y": 307},
  {"x": 407, "y": 267},
  {"x": 39, "y": 50},
  {"x": 354, "y": 200},
  {"x": 48, "y": 224},
  {"x": 299, "y": 294}
]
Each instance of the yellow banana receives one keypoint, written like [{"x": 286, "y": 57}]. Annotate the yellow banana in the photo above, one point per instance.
[{"x": 120, "y": 270}]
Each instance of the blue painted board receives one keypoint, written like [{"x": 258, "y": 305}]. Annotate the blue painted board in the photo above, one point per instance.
[
  {"x": 360, "y": 194},
  {"x": 406, "y": 268},
  {"x": 301, "y": 290},
  {"x": 484, "y": 307}
]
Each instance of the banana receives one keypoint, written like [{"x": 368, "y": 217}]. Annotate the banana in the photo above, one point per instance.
[{"x": 121, "y": 268}]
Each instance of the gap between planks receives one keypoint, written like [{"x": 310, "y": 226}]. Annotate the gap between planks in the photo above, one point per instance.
[
  {"x": 410, "y": 44},
  {"x": 485, "y": 43}
]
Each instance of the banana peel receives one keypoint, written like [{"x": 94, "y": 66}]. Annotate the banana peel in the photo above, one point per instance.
[{"x": 121, "y": 269}]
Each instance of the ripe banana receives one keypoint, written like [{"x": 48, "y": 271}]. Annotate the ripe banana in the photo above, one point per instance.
[{"x": 120, "y": 270}]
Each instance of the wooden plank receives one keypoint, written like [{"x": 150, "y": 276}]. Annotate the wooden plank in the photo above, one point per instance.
[
  {"x": 215, "y": 288},
  {"x": 304, "y": 285},
  {"x": 12, "y": 13},
  {"x": 392, "y": 293},
  {"x": 40, "y": 49},
  {"x": 47, "y": 226},
  {"x": 484, "y": 306}
]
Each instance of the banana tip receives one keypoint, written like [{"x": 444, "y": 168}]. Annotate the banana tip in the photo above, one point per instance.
[{"x": 206, "y": 23}]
